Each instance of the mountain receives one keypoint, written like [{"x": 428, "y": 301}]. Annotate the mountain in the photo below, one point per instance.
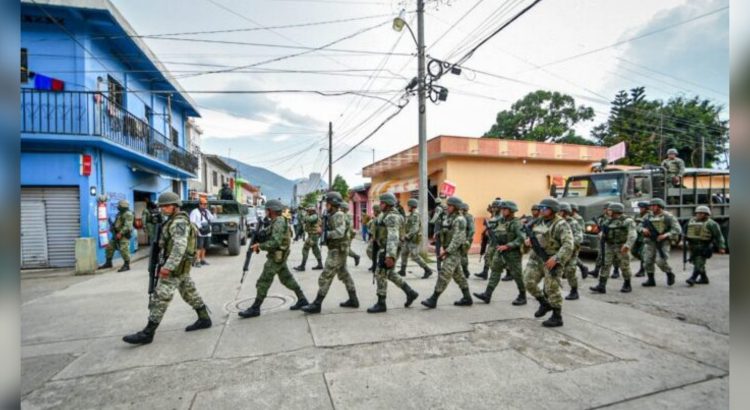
[{"x": 271, "y": 184}]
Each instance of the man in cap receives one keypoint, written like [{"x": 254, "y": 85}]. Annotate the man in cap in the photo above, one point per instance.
[
  {"x": 494, "y": 219},
  {"x": 509, "y": 237},
  {"x": 276, "y": 242},
  {"x": 388, "y": 231},
  {"x": 619, "y": 235},
  {"x": 657, "y": 245},
  {"x": 311, "y": 223},
  {"x": 637, "y": 251},
  {"x": 703, "y": 235},
  {"x": 177, "y": 247},
  {"x": 371, "y": 243},
  {"x": 121, "y": 229},
  {"x": 566, "y": 212},
  {"x": 674, "y": 166},
  {"x": 454, "y": 228},
  {"x": 335, "y": 266},
  {"x": 470, "y": 229},
  {"x": 412, "y": 240},
  {"x": 577, "y": 216},
  {"x": 556, "y": 238},
  {"x": 350, "y": 233}
]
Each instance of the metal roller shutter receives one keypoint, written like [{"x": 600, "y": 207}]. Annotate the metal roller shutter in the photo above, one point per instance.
[
  {"x": 62, "y": 221},
  {"x": 33, "y": 235}
]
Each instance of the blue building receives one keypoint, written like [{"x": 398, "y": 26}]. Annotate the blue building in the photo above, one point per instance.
[{"x": 101, "y": 120}]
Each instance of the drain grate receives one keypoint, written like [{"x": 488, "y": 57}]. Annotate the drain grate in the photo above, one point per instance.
[{"x": 271, "y": 303}]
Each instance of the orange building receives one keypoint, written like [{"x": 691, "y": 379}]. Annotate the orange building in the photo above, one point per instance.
[{"x": 482, "y": 169}]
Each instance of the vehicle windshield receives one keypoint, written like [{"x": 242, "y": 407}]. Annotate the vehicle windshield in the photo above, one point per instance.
[
  {"x": 593, "y": 185},
  {"x": 224, "y": 209}
]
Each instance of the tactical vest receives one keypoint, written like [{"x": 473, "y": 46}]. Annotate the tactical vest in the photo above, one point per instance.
[
  {"x": 311, "y": 224},
  {"x": 697, "y": 230},
  {"x": 445, "y": 227},
  {"x": 618, "y": 230},
  {"x": 544, "y": 232},
  {"x": 448, "y": 222},
  {"x": 661, "y": 222},
  {"x": 411, "y": 222},
  {"x": 166, "y": 242},
  {"x": 502, "y": 231},
  {"x": 381, "y": 228},
  {"x": 120, "y": 222}
]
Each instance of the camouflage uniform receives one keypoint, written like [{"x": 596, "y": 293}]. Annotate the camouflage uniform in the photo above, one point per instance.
[
  {"x": 311, "y": 224},
  {"x": 470, "y": 229},
  {"x": 492, "y": 223},
  {"x": 620, "y": 231},
  {"x": 350, "y": 236},
  {"x": 570, "y": 267},
  {"x": 675, "y": 169},
  {"x": 438, "y": 223},
  {"x": 556, "y": 238},
  {"x": 277, "y": 248},
  {"x": 664, "y": 223},
  {"x": 702, "y": 238},
  {"x": 148, "y": 224},
  {"x": 637, "y": 250},
  {"x": 124, "y": 226},
  {"x": 508, "y": 232},
  {"x": 412, "y": 240}
]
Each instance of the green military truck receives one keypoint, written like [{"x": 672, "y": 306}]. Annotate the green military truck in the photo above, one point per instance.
[
  {"x": 229, "y": 228},
  {"x": 699, "y": 186}
]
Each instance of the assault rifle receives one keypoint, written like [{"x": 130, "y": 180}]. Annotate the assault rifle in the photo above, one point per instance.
[
  {"x": 257, "y": 236},
  {"x": 154, "y": 257},
  {"x": 539, "y": 249},
  {"x": 485, "y": 240},
  {"x": 324, "y": 234},
  {"x": 654, "y": 235},
  {"x": 491, "y": 236}
]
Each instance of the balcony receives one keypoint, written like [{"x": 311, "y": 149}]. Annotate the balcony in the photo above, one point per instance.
[{"x": 88, "y": 113}]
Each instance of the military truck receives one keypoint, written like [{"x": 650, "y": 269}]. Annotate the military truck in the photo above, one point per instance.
[
  {"x": 699, "y": 186},
  {"x": 229, "y": 228}
]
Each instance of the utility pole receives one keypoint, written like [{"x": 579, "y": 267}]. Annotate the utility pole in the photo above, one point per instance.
[
  {"x": 330, "y": 154},
  {"x": 422, "y": 123}
]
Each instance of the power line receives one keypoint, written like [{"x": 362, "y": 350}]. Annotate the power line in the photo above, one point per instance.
[
  {"x": 460, "y": 19},
  {"x": 642, "y": 67},
  {"x": 390, "y": 117}
]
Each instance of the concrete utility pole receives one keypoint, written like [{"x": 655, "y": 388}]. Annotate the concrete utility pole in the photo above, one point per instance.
[
  {"x": 330, "y": 154},
  {"x": 423, "y": 192}
]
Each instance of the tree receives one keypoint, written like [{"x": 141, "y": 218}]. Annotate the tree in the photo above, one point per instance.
[
  {"x": 650, "y": 127},
  {"x": 545, "y": 116},
  {"x": 340, "y": 186},
  {"x": 310, "y": 199}
]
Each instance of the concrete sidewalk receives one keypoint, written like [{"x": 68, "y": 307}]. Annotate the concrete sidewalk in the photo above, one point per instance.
[{"x": 654, "y": 348}]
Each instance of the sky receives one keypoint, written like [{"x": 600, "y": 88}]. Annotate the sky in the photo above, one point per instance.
[{"x": 589, "y": 49}]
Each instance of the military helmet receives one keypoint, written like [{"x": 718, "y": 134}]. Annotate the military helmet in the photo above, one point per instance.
[
  {"x": 704, "y": 209},
  {"x": 671, "y": 151},
  {"x": 412, "y": 203},
  {"x": 274, "y": 205},
  {"x": 550, "y": 203},
  {"x": 123, "y": 203},
  {"x": 565, "y": 207},
  {"x": 535, "y": 207},
  {"x": 642, "y": 204},
  {"x": 334, "y": 198},
  {"x": 574, "y": 207},
  {"x": 497, "y": 203},
  {"x": 509, "y": 205},
  {"x": 617, "y": 207},
  {"x": 658, "y": 202},
  {"x": 169, "y": 198},
  {"x": 388, "y": 198},
  {"x": 464, "y": 206},
  {"x": 455, "y": 201},
  {"x": 344, "y": 209},
  {"x": 376, "y": 207}
]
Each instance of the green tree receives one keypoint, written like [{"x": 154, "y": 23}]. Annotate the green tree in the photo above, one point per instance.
[
  {"x": 310, "y": 199},
  {"x": 650, "y": 127},
  {"x": 340, "y": 186},
  {"x": 545, "y": 116}
]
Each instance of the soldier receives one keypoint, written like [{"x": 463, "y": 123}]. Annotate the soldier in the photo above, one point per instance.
[
  {"x": 494, "y": 219},
  {"x": 675, "y": 167},
  {"x": 412, "y": 240},
  {"x": 311, "y": 222},
  {"x": 637, "y": 251},
  {"x": 149, "y": 223},
  {"x": 555, "y": 237},
  {"x": 454, "y": 231},
  {"x": 276, "y": 241},
  {"x": 577, "y": 216},
  {"x": 507, "y": 254},
  {"x": 703, "y": 236},
  {"x": 601, "y": 221},
  {"x": 350, "y": 233},
  {"x": 619, "y": 235},
  {"x": 370, "y": 244},
  {"x": 470, "y": 229},
  {"x": 566, "y": 212},
  {"x": 656, "y": 247},
  {"x": 225, "y": 193},
  {"x": 122, "y": 228},
  {"x": 336, "y": 242},
  {"x": 437, "y": 220},
  {"x": 177, "y": 247},
  {"x": 388, "y": 231}
]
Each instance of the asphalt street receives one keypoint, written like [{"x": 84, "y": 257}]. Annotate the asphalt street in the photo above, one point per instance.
[{"x": 655, "y": 348}]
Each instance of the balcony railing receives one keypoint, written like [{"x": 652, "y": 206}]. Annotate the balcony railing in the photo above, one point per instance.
[{"x": 92, "y": 114}]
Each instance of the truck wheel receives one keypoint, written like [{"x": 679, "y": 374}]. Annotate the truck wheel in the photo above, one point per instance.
[
  {"x": 243, "y": 241},
  {"x": 233, "y": 242}
]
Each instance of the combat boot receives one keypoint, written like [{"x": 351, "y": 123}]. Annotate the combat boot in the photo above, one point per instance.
[
  {"x": 641, "y": 272},
  {"x": 584, "y": 270},
  {"x": 555, "y": 320},
  {"x": 507, "y": 277},
  {"x": 626, "y": 286},
  {"x": 650, "y": 282},
  {"x": 315, "y": 306},
  {"x": 378, "y": 307},
  {"x": 702, "y": 279},
  {"x": 615, "y": 273},
  {"x": 356, "y": 260},
  {"x": 466, "y": 300},
  {"x": 670, "y": 278},
  {"x": 300, "y": 268},
  {"x": 143, "y": 337},
  {"x": 411, "y": 294},
  {"x": 573, "y": 295},
  {"x": 599, "y": 288},
  {"x": 486, "y": 296},
  {"x": 692, "y": 279},
  {"x": 319, "y": 266},
  {"x": 352, "y": 302},
  {"x": 125, "y": 267},
  {"x": 427, "y": 272},
  {"x": 203, "y": 322},
  {"x": 301, "y": 300},
  {"x": 402, "y": 271},
  {"x": 253, "y": 310},
  {"x": 107, "y": 264},
  {"x": 544, "y": 307},
  {"x": 594, "y": 273},
  {"x": 431, "y": 302},
  {"x": 520, "y": 299},
  {"x": 482, "y": 274}
]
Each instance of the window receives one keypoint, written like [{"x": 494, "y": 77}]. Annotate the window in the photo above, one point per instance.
[
  {"x": 215, "y": 178},
  {"x": 24, "y": 66},
  {"x": 116, "y": 91},
  {"x": 222, "y": 180},
  {"x": 174, "y": 136},
  {"x": 604, "y": 184}
]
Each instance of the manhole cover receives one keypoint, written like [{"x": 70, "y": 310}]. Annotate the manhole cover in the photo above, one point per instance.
[{"x": 272, "y": 302}]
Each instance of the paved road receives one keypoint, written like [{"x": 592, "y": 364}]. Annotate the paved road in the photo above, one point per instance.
[{"x": 654, "y": 348}]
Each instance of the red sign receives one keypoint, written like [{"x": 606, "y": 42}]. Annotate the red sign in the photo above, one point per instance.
[
  {"x": 85, "y": 165},
  {"x": 447, "y": 189}
]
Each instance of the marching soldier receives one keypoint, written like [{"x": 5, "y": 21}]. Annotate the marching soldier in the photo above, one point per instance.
[
  {"x": 122, "y": 229},
  {"x": 147, "y": 216},
  {"x": 388, "y": 231},
  {"x": 674, "y": 166},
  {"x": 371, "y": 242},
  {"x": 412, "y": 239},
  {"x": 177, "y": 247},
  {"x": 495, "y": 217},
  {"x": 336, "y": 242},
  {"x": 470, "y": 229},
  {"x": 350, "y": 233},
  {"x": 619, "y": 235},
  {"x": 657, "y": 245},
  {"x": 703, "y": 236},
  {"x": 507, "y": 253},
  {"x": 577, "y": 216},
  {"x": 437, "y": 221},
  {"x": 637, "y": 251},
  {"x": 556, "y": 238},
  {"x": 276, "y": 244},
  {"x": 569, "y": 269},
  {"x": 311, "y": 223},
  {"x": 454, "y": 231}
]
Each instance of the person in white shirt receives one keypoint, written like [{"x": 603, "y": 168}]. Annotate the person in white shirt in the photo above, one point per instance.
[{"x": 201, "y": 217}]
